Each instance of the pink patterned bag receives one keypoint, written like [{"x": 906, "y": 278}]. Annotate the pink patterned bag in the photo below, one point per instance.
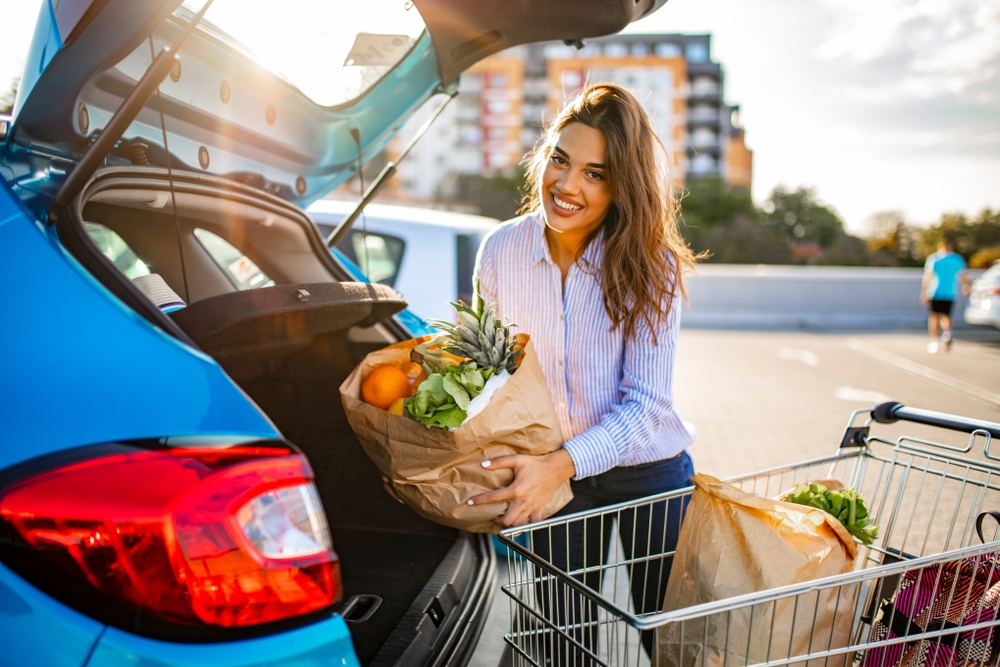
[{"x": 937, "y": 598}]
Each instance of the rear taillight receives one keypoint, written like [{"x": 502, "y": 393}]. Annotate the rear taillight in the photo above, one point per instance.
[
  {"x": 993, "y": 289},
  {"x": 225, "y": 536}
]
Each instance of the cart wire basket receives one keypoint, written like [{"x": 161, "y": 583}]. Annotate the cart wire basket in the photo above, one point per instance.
[{"x": 600, "y": 608}]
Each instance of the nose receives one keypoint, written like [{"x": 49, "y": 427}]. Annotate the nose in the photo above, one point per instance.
[{"x": 569, "y": 182}]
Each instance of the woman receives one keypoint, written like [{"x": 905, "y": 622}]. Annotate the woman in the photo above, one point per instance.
[{"x": 594, "y": 274}]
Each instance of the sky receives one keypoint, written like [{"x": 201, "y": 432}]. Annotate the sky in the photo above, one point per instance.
[{"x": 877, "y": 104}]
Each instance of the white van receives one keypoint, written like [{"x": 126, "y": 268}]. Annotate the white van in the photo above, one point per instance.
[{"x": 426, "y": 255}]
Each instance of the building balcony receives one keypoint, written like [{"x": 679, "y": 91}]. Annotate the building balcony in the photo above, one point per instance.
[
  {"x": 709, "y": 149},
  {"x": 704, "y": 69}
]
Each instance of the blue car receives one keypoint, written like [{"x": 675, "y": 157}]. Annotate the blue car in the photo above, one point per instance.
[{"x": 178, "y": 482}]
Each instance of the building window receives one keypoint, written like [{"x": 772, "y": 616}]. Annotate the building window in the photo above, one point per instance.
[
  {"x": 702, "y": 164},
  {"x": 668, "y": 50},
  {"x": 615, "y": 50},
  {"x": 639, "y": 49},
  {"x": 697, "y": 52}
]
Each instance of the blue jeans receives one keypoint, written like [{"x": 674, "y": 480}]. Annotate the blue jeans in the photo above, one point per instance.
[{"x": 647, "y": 532}]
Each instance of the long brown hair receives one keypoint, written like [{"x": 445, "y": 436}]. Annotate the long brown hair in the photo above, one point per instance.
[{"x": 644, "y": 255}]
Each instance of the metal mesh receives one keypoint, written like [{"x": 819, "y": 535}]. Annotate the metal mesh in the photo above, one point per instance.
[{"x": 597, "y": 609}]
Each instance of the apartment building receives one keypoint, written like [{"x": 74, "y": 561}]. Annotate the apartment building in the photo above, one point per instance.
[{"x": 506, "y": 100}]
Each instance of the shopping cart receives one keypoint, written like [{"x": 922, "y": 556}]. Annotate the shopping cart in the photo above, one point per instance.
[{"x": 925, "y": 495}]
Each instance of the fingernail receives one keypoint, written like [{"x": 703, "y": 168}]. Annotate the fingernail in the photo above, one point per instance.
[
  {"x": 470, "y": 502},
  {"x": 486, "y": 464},
  {"x": 400, "y": 501}
]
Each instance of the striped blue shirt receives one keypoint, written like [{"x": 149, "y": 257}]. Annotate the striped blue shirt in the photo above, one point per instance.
[{"x": 613, "y": 396}]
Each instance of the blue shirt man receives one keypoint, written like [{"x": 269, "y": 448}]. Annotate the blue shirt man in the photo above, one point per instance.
[{"x": 943, "y": 271}]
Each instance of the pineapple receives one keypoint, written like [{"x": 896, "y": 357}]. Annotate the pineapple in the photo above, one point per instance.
[{"x": 480, "y": 336}]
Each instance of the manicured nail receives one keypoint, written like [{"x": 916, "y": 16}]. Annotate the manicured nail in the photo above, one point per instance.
[
  {"x": 486, "y": 464},
  {"x": 470, "y": 502}
]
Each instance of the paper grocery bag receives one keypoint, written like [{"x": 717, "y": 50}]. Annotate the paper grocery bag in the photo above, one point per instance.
[
  {"x": 436, "y": 471},
  {"x": 733, "y": 542}
]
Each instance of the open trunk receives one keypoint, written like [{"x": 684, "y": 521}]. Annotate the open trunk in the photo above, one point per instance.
[{"x": 414, "y": 592}]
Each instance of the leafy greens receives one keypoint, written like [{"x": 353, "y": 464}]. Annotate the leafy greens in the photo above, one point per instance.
[
  {"x": 846, "y": 505},
  {"x": 442, "y": 400}
]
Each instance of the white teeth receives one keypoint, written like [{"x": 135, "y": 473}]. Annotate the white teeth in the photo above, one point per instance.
[{"x": 566, "y": 205}]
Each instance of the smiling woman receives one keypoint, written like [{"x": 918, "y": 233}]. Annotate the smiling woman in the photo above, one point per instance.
[
  {"x": 332, "y": 52},
  {"x": 593, "y": 273}
]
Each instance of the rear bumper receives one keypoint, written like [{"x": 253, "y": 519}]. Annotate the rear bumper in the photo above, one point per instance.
[
  {"x": 980, "y": 317},
  {"x": 443, "y": 624},
  {"x": 441, "y": 628}
]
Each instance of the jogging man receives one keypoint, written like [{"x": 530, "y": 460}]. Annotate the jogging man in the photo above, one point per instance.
[{"x": 942, "y": 272}]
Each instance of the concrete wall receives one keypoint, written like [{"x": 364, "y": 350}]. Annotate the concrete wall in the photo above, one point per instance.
[{"x": 765, "y": 296}]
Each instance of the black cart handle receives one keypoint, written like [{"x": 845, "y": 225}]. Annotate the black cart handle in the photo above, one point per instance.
[{"x": 889, "y": 413}]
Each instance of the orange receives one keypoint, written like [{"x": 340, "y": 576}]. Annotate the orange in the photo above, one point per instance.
[
  {"x": 384, "y": 385},
  {"x": 415, "y": 374}
]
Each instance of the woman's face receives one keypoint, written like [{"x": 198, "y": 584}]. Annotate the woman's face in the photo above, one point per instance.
[{"x": 575, "y": 194}]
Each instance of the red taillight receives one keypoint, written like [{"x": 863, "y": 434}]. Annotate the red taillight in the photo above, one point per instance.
[
  {"x": 993, "y": 289},
  {"x": 229, "y": 537}
]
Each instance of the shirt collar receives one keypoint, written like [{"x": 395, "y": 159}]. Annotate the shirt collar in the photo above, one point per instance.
[{"x": 591, "y": 255}]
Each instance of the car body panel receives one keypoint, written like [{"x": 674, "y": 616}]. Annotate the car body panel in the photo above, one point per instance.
[
  {"x": 428, "y": 269},
  {"x": 38, "y": 630},
  {"x": 57, "y": 377},
  {"x": 325, "y": 643},
  {"x": 983, "y": 308}
]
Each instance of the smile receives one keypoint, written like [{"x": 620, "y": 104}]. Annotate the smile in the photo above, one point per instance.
[{"x": 565, "y": 204}]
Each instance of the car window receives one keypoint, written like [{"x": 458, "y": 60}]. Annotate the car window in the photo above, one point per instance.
[
  {"x": 383, "y": 258},
  {"x": 466, "y": 247},
  {"x": 243, "y": 272},
  {"x": 330, "y": 51},
  {"x": 115, "y": 249}
]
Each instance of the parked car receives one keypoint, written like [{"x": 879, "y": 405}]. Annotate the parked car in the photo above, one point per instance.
[
  {"x": 178, "y": 483},
  {"x": 983, "y": 307},
  {"x": 426, "y": 255}
]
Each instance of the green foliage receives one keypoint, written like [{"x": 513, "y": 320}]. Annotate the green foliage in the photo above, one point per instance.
[
  {"x": 845, "y": 505},
  {"x": 892, "y": 241},
  {"x": 442, "y": 400},
  {"x": 497, "y": 196},
  {"x": 793, "y": 228},
  {"x": 7, "y": 98},
  {"x": 967, "y": 236},
  {"x": 801, "y": 218}
]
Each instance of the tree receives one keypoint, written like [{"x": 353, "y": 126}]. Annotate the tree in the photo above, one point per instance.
[
  {"x": 798, "y": 216},
  {"x": 969, "y": 237},
  {"x": 7, "y": 99},
  {"x": 892, "y": 241},
  {"x": 723, "y": 221}
]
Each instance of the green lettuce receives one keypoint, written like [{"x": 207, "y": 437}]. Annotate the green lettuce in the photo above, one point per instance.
[
  {"x": 846, "y": 505},
  {"x": 442, "y": 400}
]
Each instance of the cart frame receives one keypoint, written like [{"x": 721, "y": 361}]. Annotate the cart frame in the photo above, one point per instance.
[{"x": 925, "y": 495}]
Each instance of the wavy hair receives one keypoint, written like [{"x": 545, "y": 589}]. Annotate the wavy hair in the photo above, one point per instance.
[{"x": 645, "y": 256}]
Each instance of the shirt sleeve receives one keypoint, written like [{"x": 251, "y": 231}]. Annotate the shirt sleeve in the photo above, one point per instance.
[{"x": 646, "y": 412}]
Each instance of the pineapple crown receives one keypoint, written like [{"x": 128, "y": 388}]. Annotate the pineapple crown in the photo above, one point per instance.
[{"x": 480, "y": 336}]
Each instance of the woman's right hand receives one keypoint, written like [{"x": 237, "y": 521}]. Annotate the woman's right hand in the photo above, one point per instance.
[{"x": 536, "y": 479}]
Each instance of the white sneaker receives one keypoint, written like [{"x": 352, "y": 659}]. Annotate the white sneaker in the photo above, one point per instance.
[
  {"x": 933, "y": 347},
  {"x": 946, "y": 340}
]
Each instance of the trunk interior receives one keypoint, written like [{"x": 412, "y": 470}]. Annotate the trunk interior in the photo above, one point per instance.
[{"x": 385, "y": 549}]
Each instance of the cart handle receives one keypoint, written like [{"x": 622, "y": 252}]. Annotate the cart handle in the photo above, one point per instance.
[{"x": 889, "y": 413}]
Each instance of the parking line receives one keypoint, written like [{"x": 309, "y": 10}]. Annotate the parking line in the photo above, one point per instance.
[{"x": 923, "y": 371}]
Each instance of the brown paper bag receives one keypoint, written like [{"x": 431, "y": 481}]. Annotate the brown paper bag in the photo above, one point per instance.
[
  {"x": 436, "y": 471},
  {"x": 733, "y": 542}
]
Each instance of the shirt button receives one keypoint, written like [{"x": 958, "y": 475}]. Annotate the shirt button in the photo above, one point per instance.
[
  {"x": 562, "y": 404},
  {"x": 561, "y": 316},
  {"x": 559, "y": 362}
]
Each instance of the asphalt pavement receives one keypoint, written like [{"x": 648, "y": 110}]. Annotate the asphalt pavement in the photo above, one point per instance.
[{"x": 761, "y": 399}]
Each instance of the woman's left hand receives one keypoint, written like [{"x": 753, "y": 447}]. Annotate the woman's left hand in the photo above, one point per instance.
[{"x": 536, "y": 479}]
